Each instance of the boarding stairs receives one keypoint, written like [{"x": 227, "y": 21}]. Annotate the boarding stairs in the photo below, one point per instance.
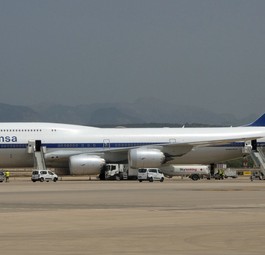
[
  {"x": 39, "y": 161},
  {"x": 38, "y": 151},
  {"x": 258, "y": 158}
]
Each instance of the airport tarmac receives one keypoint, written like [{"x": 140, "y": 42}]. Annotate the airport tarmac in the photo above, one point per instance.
[{"x": 127, "y": 217}]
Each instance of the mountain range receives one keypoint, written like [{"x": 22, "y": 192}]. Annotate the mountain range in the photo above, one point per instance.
[{"x": 145, "y": 111}]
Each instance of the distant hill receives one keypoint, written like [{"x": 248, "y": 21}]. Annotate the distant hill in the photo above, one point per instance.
[
  {"x": 142, "y": 112},
  {"x": 14, "y": 113}
]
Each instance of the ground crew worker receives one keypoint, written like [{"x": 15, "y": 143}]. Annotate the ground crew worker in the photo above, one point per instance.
[
  {"x": 222, "y": 173},
  {"x": 7, "y": 174}
]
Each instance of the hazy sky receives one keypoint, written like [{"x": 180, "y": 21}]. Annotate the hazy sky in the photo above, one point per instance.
[{"x": 205, "y": 53}]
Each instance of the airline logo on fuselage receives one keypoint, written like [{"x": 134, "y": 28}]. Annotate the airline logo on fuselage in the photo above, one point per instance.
[{"x": 8, "y": 139}]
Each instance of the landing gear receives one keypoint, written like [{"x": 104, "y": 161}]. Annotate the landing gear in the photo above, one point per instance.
[
  {"x": 211, "y": 171},
  {"x": 102, "y": 173}
]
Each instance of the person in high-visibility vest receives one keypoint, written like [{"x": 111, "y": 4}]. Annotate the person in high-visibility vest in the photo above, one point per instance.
[
  {"x": 222, "y": 173},
  {"x": 7, "y": 174}
]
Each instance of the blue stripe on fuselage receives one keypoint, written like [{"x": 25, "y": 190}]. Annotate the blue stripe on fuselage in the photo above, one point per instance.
[
  {"x": 102, "y": 145},
  {"x": 76, "y": 145}
]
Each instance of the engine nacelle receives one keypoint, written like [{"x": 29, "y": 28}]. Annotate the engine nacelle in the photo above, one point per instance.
[
  {"x": 145, "y": 158},
  {"x": 86, "y": 164}
]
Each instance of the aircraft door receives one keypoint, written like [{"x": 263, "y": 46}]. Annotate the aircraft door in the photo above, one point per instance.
[
  {"x": 37, "y": 145},
  {"x": 34, "y": 145},
  {"x": 172, "y": 140},
  {"x": 254, "y": 145},
  {"x": 106, "y": 143},
  {"x": 31, "y": 146}
]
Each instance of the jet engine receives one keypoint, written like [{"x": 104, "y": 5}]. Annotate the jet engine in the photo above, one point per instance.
[
  {"x": 86, "y": 164},
  {"x": 145, "y": 158}
]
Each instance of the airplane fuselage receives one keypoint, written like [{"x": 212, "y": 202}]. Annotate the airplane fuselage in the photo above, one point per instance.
[{"x": 62, "y": 140}]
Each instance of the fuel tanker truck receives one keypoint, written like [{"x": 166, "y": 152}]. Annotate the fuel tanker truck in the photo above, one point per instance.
[{"x": 195, "y": 172}]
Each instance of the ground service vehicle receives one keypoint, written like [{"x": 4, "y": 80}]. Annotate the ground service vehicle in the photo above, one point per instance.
[
  {"x": 43, "y": 175},
  {"x": 150, "y": 174},
  {"x": 230, "y": 173},
  {"x": 120, "y": 172},
  {"x": 195, "y": 172},
  {"x": 257, "y": 175}
]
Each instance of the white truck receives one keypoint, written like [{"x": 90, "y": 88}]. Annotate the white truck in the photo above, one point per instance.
[
  {"x": 195, "y": 172},
  {"x": 230, "y": 173},
  {"x": 120, "y": 172}
]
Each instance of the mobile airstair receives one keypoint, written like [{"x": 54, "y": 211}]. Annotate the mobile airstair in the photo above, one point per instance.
[
  {"x": 35, "y": 148},
  {"x": 258, "y": 158},
  {"x": 39, "y": 161}
]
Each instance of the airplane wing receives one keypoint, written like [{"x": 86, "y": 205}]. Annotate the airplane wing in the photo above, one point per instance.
[
  {"x": 179, "y": 149},
  {"x": 169, "y": 149}
]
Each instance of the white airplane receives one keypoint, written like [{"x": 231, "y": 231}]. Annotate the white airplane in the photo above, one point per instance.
[{"x": 86, "y": 150}]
